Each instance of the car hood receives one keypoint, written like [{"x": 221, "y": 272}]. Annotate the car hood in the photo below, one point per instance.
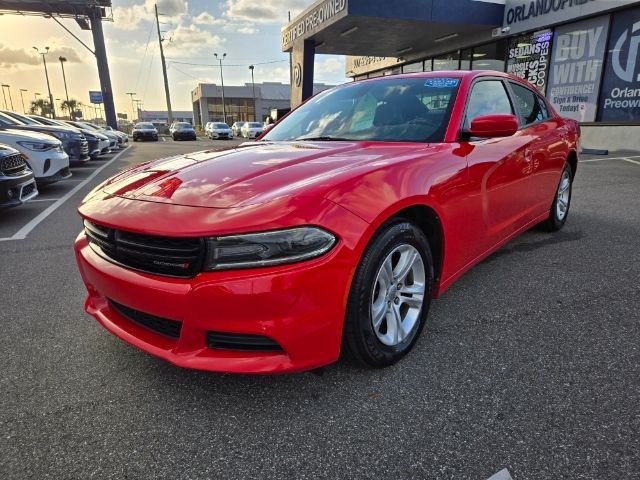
[
  {"x": 252, "y": 173},
  {"x": 46, "y": 129},
  {"x": 13, "y": 135}
]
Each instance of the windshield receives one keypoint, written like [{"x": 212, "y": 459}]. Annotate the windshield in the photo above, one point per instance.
[
  {"x": 391, "y": 110},
  {"x": 220, "y": 125},
  {"x": 21, "y": 118},
  {"x": 254, "y": 125},
  {"x": 146, "y": 126},
  {"x": 182, "y": 126}
]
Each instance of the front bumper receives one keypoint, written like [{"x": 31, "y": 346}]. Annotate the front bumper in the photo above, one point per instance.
[
  {"x": 184, "y": 136},
  {"x": 16, "y": 190},
  {"x": 61, "y": 174},
  {"x": 145, "y": 136},
  {"x": 300, "y": 307}
]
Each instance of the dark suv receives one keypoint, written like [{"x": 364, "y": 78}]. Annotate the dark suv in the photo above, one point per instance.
[
  {"x": 73, "y": 141},
  {"x": 16, "y": 179}
]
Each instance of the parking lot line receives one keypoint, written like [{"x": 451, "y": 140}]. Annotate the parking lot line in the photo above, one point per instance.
[
  {"x": 609, "y": 158},
  {"x": 631, "y": 161},
  {"x": 24, "y": 231},
  {"x": 44, "y": 200}
]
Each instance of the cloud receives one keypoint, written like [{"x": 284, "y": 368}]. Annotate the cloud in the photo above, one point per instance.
[
  {"x": 264, "y": 11},
  {"x": 205, "y": 18},
  {"x": 189, "y": 39},
  {"x": 16, "y": 57},
  {"x": 331, "y": 65},
  {"x": 130, "y": 18}
]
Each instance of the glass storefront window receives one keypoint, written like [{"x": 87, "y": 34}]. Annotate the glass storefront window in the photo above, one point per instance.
[
  {"x": 237, "y": 110},
  {"x": 448, "y": 61},
  {"x": 490, "y": 57},
  {"x": 413, "y": 67}
]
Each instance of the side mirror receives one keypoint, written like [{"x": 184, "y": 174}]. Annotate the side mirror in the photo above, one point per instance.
[{"x": 493, "y": 126}]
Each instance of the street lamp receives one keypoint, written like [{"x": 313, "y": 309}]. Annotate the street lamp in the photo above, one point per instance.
[
  {"x": 253, "y": 88},
  {"x": 133, "y": 112},
  {"x": 46, "y": 73},
  {"x": 66, "y": 92},
  {"x": 4, "y": 97},
  {"x": 24, "y": 110},
  {"x": 224, "y": 108}
]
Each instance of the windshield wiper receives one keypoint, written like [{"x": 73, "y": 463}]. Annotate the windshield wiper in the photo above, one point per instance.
[{"x": 325, "y": 138}]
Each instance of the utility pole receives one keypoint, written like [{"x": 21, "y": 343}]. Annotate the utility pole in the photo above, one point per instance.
[
  {"x": 24, "y": 110},
  {"x": 46, "y": 74},
  {"x": 224, "y": 108},
  {"x": 253, "y": 88},
  {"x": 66, "y": 92},
  {"x": 164, "y": 70},
  {"x": 4, "y": 97},
  {"x": 133, "y": 112}
]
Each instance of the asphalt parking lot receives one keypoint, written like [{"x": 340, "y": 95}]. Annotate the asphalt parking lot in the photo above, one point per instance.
[{"x": 530, "y": 363}]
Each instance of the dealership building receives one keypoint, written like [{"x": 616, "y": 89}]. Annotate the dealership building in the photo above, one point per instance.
[
  {"x": 239, "y": 105},
  {"x": 583, "y": 54}
]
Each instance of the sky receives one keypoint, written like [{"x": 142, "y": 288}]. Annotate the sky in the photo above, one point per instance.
[{"x": 248, "y": 31}]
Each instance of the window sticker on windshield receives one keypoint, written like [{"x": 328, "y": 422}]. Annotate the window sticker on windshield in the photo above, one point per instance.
[{"x": 442, "y": 82}]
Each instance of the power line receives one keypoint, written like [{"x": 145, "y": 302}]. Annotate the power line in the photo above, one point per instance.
[
  {"x": 226, "y": 65},
  {"x": 146, "y": 48}
]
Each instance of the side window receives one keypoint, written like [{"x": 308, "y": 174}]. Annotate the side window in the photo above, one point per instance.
[
  {"x": 487, "y": 97},
  {"x": 531, "y": 108}
]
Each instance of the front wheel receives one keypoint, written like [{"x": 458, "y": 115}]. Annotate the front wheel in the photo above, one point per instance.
[
  {"x": 390, "y": 296},
  {"x": 561, "y": 201}
]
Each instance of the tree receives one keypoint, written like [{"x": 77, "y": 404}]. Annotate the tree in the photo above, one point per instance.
[
  {"x": 40, "y": 106},
  {"x": 70, "y": 106}
]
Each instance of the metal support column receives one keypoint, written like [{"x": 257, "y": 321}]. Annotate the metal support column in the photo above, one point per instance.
[{"x": 103, "y": 68}]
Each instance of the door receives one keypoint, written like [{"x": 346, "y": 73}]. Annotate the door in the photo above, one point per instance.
[
  {"x": 499, "y": 170},
  {"x": 545, "y": 155}
]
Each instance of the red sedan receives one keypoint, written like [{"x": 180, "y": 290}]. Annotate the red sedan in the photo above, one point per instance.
[{"x": 334, "y": 232}]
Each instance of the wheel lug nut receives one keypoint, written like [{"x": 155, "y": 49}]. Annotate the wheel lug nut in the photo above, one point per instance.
[
  {"x": 396, "y": 300},
  {"x": 399, "y": 286}
]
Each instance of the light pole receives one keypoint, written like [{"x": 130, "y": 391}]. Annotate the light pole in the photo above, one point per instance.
[
  {"x": 138, "y": 108},
  {"x": 4, "y": 97},
  {"x": 224, "y": 108},
  {"x": 22, "y": 99},
  {"x": 253, "y": 89},
  {"x": 133, "y": 112},
  {"x": 66, "y": 92},
  {"x": 46, "y": 74}
]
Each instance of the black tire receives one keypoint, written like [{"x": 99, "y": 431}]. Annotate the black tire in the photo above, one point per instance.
[
  {"x": 360, "y": 342},
  {"x": 554, "y": 222}
]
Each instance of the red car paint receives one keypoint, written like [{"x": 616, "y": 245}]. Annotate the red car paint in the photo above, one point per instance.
[{"x": 484, "y": 193}]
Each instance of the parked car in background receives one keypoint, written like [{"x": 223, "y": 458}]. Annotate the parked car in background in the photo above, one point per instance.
[
  {"x": 236, "y": 128},
  {"x": 182, "y": 131},
  {"x": 122, "y": 135},
  {"x": 96, "y": 141},
  {"x": 43, "y": 153},
  {"x": 73, "y": 142},
  {"x": 252, "y": 129},
  {"x": 113, "y": 138},
  {"x": 218, "y": 131},
  {"x": 335, "y": 232},
  {"x": 17, "y": 184},
  {"x": 144, "y": 131}
]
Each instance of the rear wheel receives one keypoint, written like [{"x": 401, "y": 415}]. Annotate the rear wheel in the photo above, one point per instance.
[
  {"x": 561, "y": 202},
  {"x": 390, "y": 296}
]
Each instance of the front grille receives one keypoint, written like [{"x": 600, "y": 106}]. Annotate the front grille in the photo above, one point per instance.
[
  {"x": 242, "y": 342},
  {"x": 12, "y": 165},
  {"x": 163, "y": 326},
  {"x": 169, "y": 256}
]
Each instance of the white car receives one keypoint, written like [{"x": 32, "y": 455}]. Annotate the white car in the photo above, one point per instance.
[
  {"x": 252, "y": 129},
  {"x": 236, "y": 128},
  {"x": 123, "y": 136},
  {"x": 218, "y": 130},
  {"x": 43, "y": 153}
]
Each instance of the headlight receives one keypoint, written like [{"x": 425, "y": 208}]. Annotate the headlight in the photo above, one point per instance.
[
  {"x": 267, "y": 248},
  {"x": 65, "y": 135},
  {"x": 38, "y": 146}
]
